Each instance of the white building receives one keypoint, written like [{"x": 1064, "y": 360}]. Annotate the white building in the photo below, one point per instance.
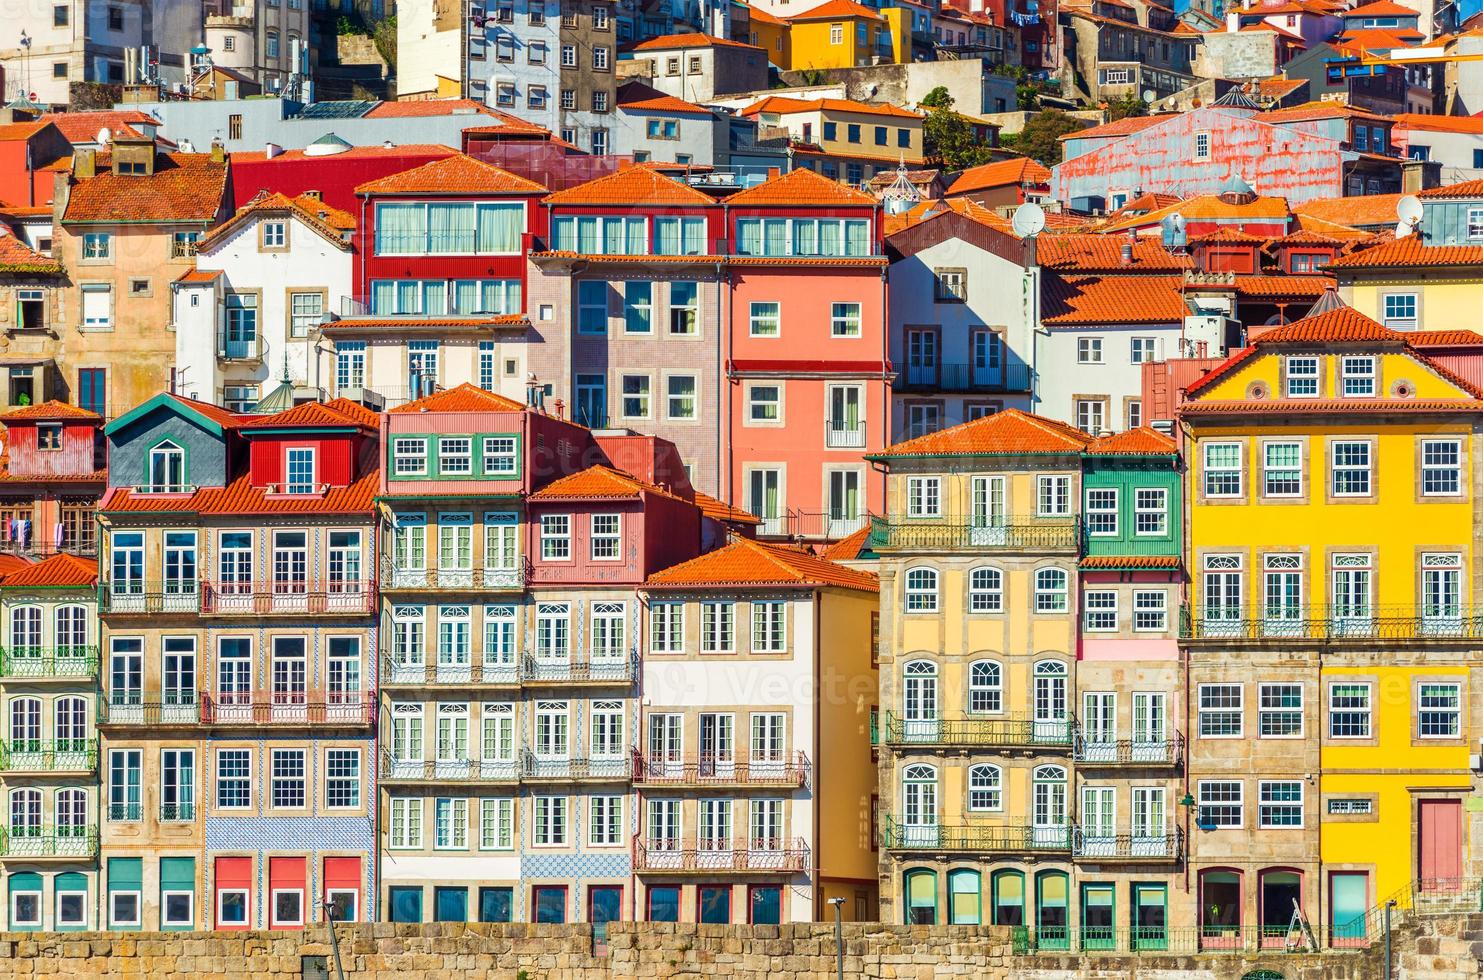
[
  {"x": 249, "y": 314},
  {"x": 1456, "y": 142}
]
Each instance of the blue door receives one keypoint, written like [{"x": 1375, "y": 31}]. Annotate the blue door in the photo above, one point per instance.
[
  {"x": 406, "y": 904},
  {"x": 451, "y": 904}
]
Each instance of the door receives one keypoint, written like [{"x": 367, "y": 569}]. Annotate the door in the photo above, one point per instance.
[
  {"x": 592, "y": 400},
  {"x": 989, "y": 524},
  {"x": 988, "y": 360},
  {"x": 1150, "y": 727},
  {"x": 1148, "y": 822},
  {"x": 604, "y": 905},
  {"x": 1098, "y": 820},
  {"x": 665, "y": 747},
  {"x": 1099, "y": 736},
  {"x": 846, "y": 418},
  {"x": 1048, "y": 808},
  {"x": 717, "y": 746},
  {"x": 1097, "y": 916},
  {"x": 1440, "y": 861},
  {"x": 921, "y": 357},
  {"x": 1349, "y": 896},
  {"x": 92, "y": 390},
  {"x": 919, "y": 703},
  {"x": 844, "y": 503},
  {"x": 765, "y": 499}
]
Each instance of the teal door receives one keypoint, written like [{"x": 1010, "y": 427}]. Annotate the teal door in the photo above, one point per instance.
[
  {"x": 451, "y": 904},
  {"x": 1349, "y": 896},
  {"x": 1097, "y": 917},
  {"x": 406, "y": 904},
  {"x": 1150, "y": 922}
]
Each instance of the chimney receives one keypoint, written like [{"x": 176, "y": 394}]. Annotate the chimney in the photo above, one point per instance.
[
  {"x": 84, "y": 163},
  {"x": 218, "y": 150},
  {"x": 1126, "y": 254},
  {"x": 1418, "y": 175},
  {"x": 773, "y": 172},
  {"x": 270, "y": 150}
]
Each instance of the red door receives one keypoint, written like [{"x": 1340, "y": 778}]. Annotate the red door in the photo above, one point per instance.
[{"x": 1441, "y": 843}]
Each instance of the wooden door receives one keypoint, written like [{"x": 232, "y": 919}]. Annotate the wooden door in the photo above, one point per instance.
[{"x": 1440, "y": 860}]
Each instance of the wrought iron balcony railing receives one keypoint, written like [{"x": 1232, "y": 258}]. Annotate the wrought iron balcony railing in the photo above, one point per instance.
[
  {"x": 1133, "y": 848},
  {"x": 745, "y": 855},
  {"x": 396, "y": 579},
  {"x": 394, "y": 672},
  {"x": 48, "y": 663},
  {"x": 61, "y": 755},
  {"x": 1017, "y": 533},
  {"x": 121, "y": 708},
  {"x": 1146, "y": 753},
  {"x": 289, "y": 597},
  {"x": 394, "y": 769},
  {"x": 148, "y": 598},
  {"x": 36, "y": 843},
  {"x": 1010, "y": 730},
  {"x": 844, "y": 434},
  {"x": 543, "y": 767},
  {"x": 288, "y": 708},
  {"x": 541, "y": 670},
  {"x": 961, "y": 376},
  {"x": 183, "y": 812},
  {"x": 1293, "y": 622},
  {"x": 787, "y": 771},
  {"x": 897, "y": 834}
]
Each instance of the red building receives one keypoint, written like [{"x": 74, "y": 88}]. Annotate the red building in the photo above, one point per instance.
[
  {"x": 52, "y": 478},
  {"x": 31, "y": 153},
  {"x": 334, "y": 175}
]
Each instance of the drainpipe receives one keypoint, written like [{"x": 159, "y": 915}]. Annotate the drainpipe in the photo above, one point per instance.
[
  {"x": 885, "y": 383},
  {"x": 816, "y": 768},
  {"x": 728, "y": 448},
  {"x": 723, "y": 409}
]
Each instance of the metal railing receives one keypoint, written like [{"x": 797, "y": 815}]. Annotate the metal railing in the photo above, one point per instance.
[
  {"x": 960, "y": 376},
  {"x": 148, "y": 598},
  {"x": 761, "y": 855},
  {"x": 1129, "y": 752},
  {"x": 61, "y": 755},
  {"x": 177, "y": 812},
  {"x": 788, "y": 771},
  {"x": 121, "y": 708},
  {"x": 1008, "y": 730},
  {"x": 533, "y": 766},
  {"x": 1327, "y": 623},
  {"x": 394, "y": 673},
  {"x": 814, "y": 525},
  {"x": 125, "y": 812},
  {"x": 1133, "y": 848},
  {"x": 985, "y": 838},
  {"x": 48, "y": 842},
  {"x": 1022, "y": 533},
  {"x": 619, "y": 670},
  {"x": 840, "y": 434},
  {"x": 348, "y": 598},
  {"x": 48, "y": 663},
  {"x": 239, "y": 349},
  {"x": 448, "y": 770},
  {"x": 395, "y": 579},
  {"x": 288, "y": 708}
]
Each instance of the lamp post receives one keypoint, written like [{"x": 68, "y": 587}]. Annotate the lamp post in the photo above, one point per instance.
[
  {"x": 331, "y": 913},
  {"x": 838, "y": 904},
  {"x": 26, "y": 63}
]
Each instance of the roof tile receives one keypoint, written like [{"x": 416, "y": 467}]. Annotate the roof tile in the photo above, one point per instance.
[
  {"x": 305, "y": 414},
  {"x": 184, "y": 187},
  {"x": 18, "y": 257},
  {"x": 690, "y": 40},
  {"x": 745, "y": 563},
  {"x": 464, "y": 398},
  {"x": 837, "y": 10},
  {"x": 1072, "y": 300},
  {"x": 634, "y": 186},
  {"x": 1074, "y": 252},
  {"x": 800, "y": 187},
  {"x": 1131, "y": 561},
  {"x": 1009, "y": 431},
  {"x": 241, "y": 498},
  {"x": 62, "y": 570},
  {"x": 458, "y": 174},
  {"x": 1408, "y": 252},
  {"x": 598, "y": 482},
  {"x": 1001, "y": 173},
  {"x": 1142, "y": 441},
  {"x": 51, "y": 411}
]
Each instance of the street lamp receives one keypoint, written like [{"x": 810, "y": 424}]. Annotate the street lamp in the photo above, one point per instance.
[
  {"x": 838, "y": 904},
  {"x": 26, "y": 61},
  {"x": 331, "y": 913}
]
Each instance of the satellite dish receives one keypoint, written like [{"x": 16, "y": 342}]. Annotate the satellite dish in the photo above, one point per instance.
[
  {"x": 1179, "y": 221},
  {"x": 1149, "y": 96},
  {"x": 1408, "y": 209},
  {"x": 1028, "y": 220},
  {"x": 105, "y": 135}
]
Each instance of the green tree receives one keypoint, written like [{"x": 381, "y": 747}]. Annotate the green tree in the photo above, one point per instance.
[
  {"x": 1128, "y": 105},
  {"x": 947, "y": 138},
  {"x": 384, "y": 36},
  {"x": 1041, "y": 137}
]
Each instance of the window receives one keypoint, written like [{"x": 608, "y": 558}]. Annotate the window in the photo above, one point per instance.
[
  {"x": 836, "y": 33},
  {"x": 680, "y": 397},
  {"x": 1101, "y": 610},
  {"x": 985, "y": 688},
  {"x": 455, "y": 456},
  {"x": 1202, "y": 145},
  {"x": 97, "y": 246},
  {"x": 923, "y": 496},
  {"x": 501, "y": 456},
  {"x": 1400, "y": 311},
  {"x": 677, "y": 236},
  {"x": 600, "y": 63},
  {"x": 1475, "y": 224},
  {"x": 342, "y": 778},
  {"x": 599, "y": 101},
  {"x": 167, "y": 469},
  {"x": 1151, "y": 511},
  {"x": 1351, "y": 469},
  {"x": 606, "y": 537},
  {"x": 556, "y": 537},
  {"x": 300, "y": 471},
  {"x": 350, "y": 364},
  {"x": 1052, "y": 496},
  {"x": 1222, "y": 469},
  {"x": 718, "y": 627},
  {"x": 1101, "y": 512},
  {"x": 635, "y": 396},
  {"x": 845, "y": 320},
  {"x": 766, "y": 319},
  {"x": 1438, "y": 710},
  {"x": 1279, "y": 804},
  {"x": 409, "y": 456},
  {"x": 605, "y": 821},
  {"x": 769, "y": 626},
  {"x": 1441, "y": 467},
  {"x": 550, "y": 821},
  {"x": 763, "y": 403},
  {"x": 406, "y": 822},
  {"x": 1351, "y": 806},
  {"x": 496, "y": 824},
  {"x": 666, "y": 627},
  {"x": 951, "y": 285},
  {"x": 803, "y": 236},
  {"x": 1282, "y": 469},
  {"x": 275, "y": 234},
  {"x": 568, "y": 56},
  {"x": 1050, "y": 590},
  {"x": 535, "y": 95},
  {"x": 1220, "y": 710},
  {"x": 1088, "y": 350},
  {"x": 1220, "y": 803},
  {"x": 684, "y": 309},
  {"x": 921, "y": 590},
  {"x": 288, "y": 778},
  {"x": 1302, "y": 377},
  {"x": 985, "y": 590},
  {"x": 984, "y": 788},
  {"x": 48, "y": 435},
  {"x": 1142, "y": 350},
  {"x": 450, "y": 824},
  {"x": 1358, "y": 376},
  {"x": 1349, "y": 711},
  {"x": 306, "y": 310},
  {"x": 233, "y": 778},
  {"x": 97, "y": 306},
  {"x": 1280, "y": 711}
]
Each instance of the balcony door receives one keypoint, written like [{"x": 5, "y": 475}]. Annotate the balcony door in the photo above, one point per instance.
[
  {"x": 717, "y": 746},
  {"x": 765, "y": 498},
  {"x": 921, "y": 357},
  {"x": 988, "y": 523},
  {"x": 988, "y": 359}
]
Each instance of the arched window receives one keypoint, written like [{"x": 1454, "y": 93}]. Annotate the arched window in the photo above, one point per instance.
[
  {"x": 25, "y": 632},
  {"x": 985, "y": 688},
  {"x": 25, "y": 725},
  {"x": 986, "y": 590},
  {"x": 1220, "y": 908},
  {"x": 964, "y": 898},
  {"x": 167, "y": 468},
  {"x": 919, "y": 691},
  {"x": 920, "y": 888},
  {"x": 1048, "y": 826},
  {"x": 921, "y": 590},
  {"x": 71, "y": 724},
  {"x": 985, "y": 788},
  {"x": 71, "y": 638},
  {"x": 1008, "y": 891},
  {"x": 1052, "y": 898},
  {"x": 919, "y": 796},
  {"x": 25, "y": 813},
  {"x": 1050, "y": 590},
  {"x": 1050, "y": 696}
]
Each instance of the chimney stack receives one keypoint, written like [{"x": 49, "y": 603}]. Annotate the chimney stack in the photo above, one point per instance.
[
  {"x": 1127, "y": 252},
  {"x": 84, "y": 162}
]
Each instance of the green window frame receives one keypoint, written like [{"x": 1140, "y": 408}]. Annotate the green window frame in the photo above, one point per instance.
[
  {"x": 964, "y": 897},
  {"x": 177, "y": 887},
  {"x": 1150, "y": 928},
  {"x": 1098, "y": 915},
  {"x": 27, "y": 884},
  {"x": 919, "y": 893},
  {"x": 1052, "y": 910},
  {"x": 1007, "y": 891},
  {"x": 125, "y": 882}
]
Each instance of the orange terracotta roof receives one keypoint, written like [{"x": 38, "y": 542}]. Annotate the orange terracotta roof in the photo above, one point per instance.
[
  {"x": 848, "y": 549},
  {"x": 1278, "y": 86},
  {"x": 1148, "y": 562},
  {"x": 598, "y": 482},
  {"x": 1370, "y": 39},
  {"x": 1308, "y": 224},
  {"x": 464, "y": 398},
  {"x": 1380, "y": 8},
  {"x": 1331, "y": 406},
  {"x": 1439, "y": 124},
  {"x": 355, "y": 412},
  {"x": 1207, "y": 206},
  {"x": 1144, "y": 203},
  {"x": 217, "y": 414},
  {"x": 50, "y": 411},
  {"x": 784, "y": 105},
  {"x": 331, "y": 223},
  {"x": 241, "y": 498},
  {"x": 18, "y": 257},
  {"x": 1461, "y": 189},
  {"x": 421, "y": 323},
  {"x": 458, "y": 174},
  {"x": 354, "y": 153},
  {"x": 421, "y": 108},
  {"x": 762, "y": 16},
  {"x": 184, "y": 187},
  {"x": 1142, "y": 441},
  {"x": 82, "y": 127},
  {"x": 664, "y": 103},
  {"x": 1278, "y": 285},
  {"x": 1080, "y": 252},
  {"x": 1074, "y": 300},
  {"x": 1010, "y": 431},
  {"x": 691, "y": 40},
  {"x": 1320, "y": 109},
  {"x": 1445, "y": 338},
  {"x": 721, "y": 511},
  {"x": 61, "y": 570},
  {"x": 1126, "y": 126},
  {"x": 745, "y": 563},
  {"x": 10, "y": 132},
  {"x": 1409, "y": 252},
  {"x": 800, "y": 186},
  {"x": 1369, "y": 209},
  {"x": 306, "y": 414},
  {"x": 837, "y": 10},
  {"x": 635, "y": 186},
  {"x": 1229, "y": 234},
  {"x": 1342, "y": 325},
  {"x": 1001, "y": 173}
]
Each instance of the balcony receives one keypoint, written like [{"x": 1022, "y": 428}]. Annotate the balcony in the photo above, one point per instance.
[
  {"x": 41, "y": 843},
  {"x": 183, "y": 812},
  {"x": 744, "y": 856},
  {"x": 239, "y": 348},
  {"x": 541, "y": 670},
  {"x": 786, "y": 772},
  {"x": 126, "y": 709},
  {"x": 20, "y": 755},
  {"x": 963, "y": 377},
  {"x": 1031, "y": 534},
  {"x": 396, "y": 673},
  {"x": 1100, "y": 848},
  {"x": 538, "y": 767},
  {"x": 394, "y": 770},
  {"x": 1134, "y": 753},
  {"x": 1309, "y": 623},
  {"x": 48, "y": 664},
  {"x": 839, "y": 434},
  {"x": 148, "y": 598},
  {"x": 296, "y": 598},
  {"x": 289, "y": 708},
  {"x": 395, "y": 579},
  {"x": 979, "y": 838},
  {"x": 1006, "y": 731}
]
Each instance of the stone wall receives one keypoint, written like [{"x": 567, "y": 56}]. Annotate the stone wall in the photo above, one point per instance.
[{"x": 1437, "y": 950}]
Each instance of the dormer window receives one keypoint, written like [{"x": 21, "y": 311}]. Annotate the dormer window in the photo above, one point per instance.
[
  {"x": 167, "y": 468},
  {"x": 299, "y": 471},
  {"x": 275, "y": 234},
  {"x": 49, "y": 435}
]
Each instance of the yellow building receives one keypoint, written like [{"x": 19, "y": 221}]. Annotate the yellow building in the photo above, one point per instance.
[
  {"x": 1331, "y": 634},
  {"x": 845, "y": 34},
  {"x": 844, "y": 139},
  {"x": 772, "y": 34}
]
